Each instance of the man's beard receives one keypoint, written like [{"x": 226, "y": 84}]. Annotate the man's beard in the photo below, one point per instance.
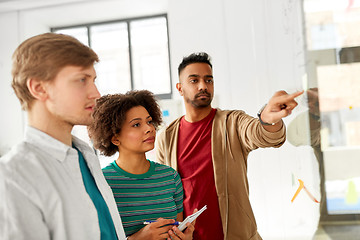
[{"x": 199, "y": 103}]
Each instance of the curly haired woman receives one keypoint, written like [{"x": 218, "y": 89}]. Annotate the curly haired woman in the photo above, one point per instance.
[{"x": 144, "y": 190}]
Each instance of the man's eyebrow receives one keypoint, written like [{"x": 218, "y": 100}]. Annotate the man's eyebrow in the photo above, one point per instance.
[
  {"x": 196, "y": 75},
  {"x": 193, "y": 75},
  {"x": 86, "y": 75}
]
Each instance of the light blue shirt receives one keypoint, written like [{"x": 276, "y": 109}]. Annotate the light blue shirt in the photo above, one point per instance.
[{"x": 42, "y": 193}]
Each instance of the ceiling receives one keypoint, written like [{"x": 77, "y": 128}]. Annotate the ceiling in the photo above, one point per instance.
[{"x": 16, "y": 5}]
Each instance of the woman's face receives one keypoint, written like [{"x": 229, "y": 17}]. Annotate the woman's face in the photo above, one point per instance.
[{"x": 137, "y": 133}]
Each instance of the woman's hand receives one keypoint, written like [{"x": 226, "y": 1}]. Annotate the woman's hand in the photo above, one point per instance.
[
  {"x": 176, "y": 234},
  {"x": 154, "y": 231}
]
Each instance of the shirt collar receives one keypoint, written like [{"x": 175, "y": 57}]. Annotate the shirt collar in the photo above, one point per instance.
[{"x": 41, "y": 140}]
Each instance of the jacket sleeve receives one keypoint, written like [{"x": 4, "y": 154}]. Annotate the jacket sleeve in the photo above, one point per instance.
[
  {"x": 160, "y": 147},
  {"x": 254, "y": 135}
]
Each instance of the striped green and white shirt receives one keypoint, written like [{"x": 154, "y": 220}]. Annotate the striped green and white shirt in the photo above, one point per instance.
[{"x": 141, "y": 197}]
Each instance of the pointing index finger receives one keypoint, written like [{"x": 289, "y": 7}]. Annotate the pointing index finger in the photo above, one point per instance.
[
  {"x": 296, "y": 94},
  {"x": 288, "y": 97}
]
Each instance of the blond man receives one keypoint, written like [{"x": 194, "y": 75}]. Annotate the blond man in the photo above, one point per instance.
[{"x": 51, "y": 184}]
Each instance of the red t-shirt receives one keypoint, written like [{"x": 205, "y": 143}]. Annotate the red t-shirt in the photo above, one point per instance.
[{"x": 197, "y": 173}]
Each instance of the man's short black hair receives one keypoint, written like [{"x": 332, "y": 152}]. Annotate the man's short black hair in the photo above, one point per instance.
[{"x": 200, "y": 57}]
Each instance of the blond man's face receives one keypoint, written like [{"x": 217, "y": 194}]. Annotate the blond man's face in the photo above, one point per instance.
[{"x": 72, "y": 95}]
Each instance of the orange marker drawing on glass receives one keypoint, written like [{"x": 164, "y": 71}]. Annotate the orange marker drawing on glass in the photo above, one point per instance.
[{"x": 302, "y": 186}]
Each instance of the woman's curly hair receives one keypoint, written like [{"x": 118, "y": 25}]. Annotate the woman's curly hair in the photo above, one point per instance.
[{"x": 110, "y": 113}]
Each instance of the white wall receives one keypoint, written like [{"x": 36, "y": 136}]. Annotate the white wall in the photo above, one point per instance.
[
  {"x": 11, "y": 117},
  {"x": 257, "y": 49}
]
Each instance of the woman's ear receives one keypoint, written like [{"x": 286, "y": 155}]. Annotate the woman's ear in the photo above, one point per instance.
[
  {"x": 115, "y": 140},
  {"x": 37, "y": 88}
]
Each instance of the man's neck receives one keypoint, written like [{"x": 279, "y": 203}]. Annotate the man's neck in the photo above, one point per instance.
[
  {"x": 44, "y": 122},
  {"x": 196, "y": 114}
]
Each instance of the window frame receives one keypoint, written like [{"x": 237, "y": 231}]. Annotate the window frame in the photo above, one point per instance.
[{"x": 128, "y": 22}]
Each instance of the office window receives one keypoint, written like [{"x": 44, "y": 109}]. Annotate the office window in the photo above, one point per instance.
[
  {"x": 333, "y": 67},
  {"x": 134, "y": 54}
]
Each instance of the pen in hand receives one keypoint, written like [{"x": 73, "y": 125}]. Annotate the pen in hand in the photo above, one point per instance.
[{"x": 151, "y": 221}]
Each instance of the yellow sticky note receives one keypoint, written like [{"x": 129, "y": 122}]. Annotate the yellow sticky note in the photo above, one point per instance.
[{"x": 351, "y": 194}]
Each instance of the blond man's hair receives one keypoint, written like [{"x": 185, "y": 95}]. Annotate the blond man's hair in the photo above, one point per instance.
[{"x": 42, "y": 57}]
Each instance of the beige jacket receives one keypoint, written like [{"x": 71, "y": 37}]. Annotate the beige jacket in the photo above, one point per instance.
[{"x": 234, "y": 135}]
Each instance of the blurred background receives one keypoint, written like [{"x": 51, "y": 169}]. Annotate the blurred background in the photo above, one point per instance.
[{"x": 257, "y": 47}]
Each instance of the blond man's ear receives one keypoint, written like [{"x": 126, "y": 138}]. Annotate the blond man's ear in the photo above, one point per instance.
[{"x": 37, "y": 89}]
